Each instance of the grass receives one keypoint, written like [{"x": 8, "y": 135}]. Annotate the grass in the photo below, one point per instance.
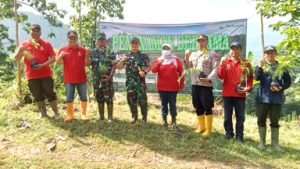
[{"x": 99, "y": 144}]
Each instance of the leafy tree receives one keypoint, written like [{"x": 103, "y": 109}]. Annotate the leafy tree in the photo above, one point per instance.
[
  {"x": 288, "y": 24},
  {"x": 87, "y": 23},
  {"x": 47, "y": 9}
]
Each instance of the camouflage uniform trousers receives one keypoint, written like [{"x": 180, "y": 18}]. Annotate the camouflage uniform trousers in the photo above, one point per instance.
[
  {"x": 136, "y": 95},
  {"x": 105, "y": 93}
]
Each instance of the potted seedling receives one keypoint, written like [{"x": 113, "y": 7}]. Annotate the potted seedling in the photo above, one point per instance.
[
  {"x": 276, "y": 73},
  {"x": 246, "y": 71}
]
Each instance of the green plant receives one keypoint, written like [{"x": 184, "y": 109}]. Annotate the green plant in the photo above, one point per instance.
[{"x": 102, "y": 68}]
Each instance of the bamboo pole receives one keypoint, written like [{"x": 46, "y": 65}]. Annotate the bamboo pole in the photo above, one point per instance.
[
  {"x": 17, "y": 45},
  {"x": 262, "y": 31},
  {"x": 80, "y": 23}
]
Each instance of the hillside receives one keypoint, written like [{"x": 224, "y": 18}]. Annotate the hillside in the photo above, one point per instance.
[{"x": 58, "y": 41}]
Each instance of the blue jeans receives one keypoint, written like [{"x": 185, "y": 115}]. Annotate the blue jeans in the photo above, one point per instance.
[
  {"x": 239, "y": 107},
  {"x": 70, "y": 91},
  {"x": 168, "y": 98}
]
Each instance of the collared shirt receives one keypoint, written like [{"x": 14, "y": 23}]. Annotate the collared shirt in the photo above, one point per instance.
[
  {"x": 231, "y": 73},
  {"x": 136, "y": 62},
  {"x": 168, "y": 75},
  {"x": 74, "y": 64},
  {"x": 206, "y": 62},
  {"x": 102, "y": 63},
  {"x": 39, "y": 54},
  {"x": 265, "y": 76}
]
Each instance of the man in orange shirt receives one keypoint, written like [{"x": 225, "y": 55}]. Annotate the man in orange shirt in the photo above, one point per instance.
[
  {"x": 38, "y": 55},
  {"x": 75, "y": 59}
]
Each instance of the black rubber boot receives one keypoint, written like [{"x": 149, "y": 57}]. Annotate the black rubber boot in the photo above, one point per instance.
[
  {"x": 165, "y": 121},
  {"x": 174, "y": 124},
  {"x": 101, "y": 111},
  {"x": 110, "y": 112},
  {"x": 144, "y": 111},
  {"x": 53, "y": 105},
  {"x": 134, "y": 114},
  {"x": 42, "y": 108}
]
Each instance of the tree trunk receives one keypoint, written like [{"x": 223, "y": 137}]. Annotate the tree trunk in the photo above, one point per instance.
[{"x": 17, "y": 45}]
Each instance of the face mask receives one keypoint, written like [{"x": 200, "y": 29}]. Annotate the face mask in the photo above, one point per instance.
[{"x": 165, "y": 52}]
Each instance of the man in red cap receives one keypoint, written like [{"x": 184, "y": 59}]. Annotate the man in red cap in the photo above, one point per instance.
[
  {"x": 38, "y": 55},
  {"x": 74, "y": 58}
]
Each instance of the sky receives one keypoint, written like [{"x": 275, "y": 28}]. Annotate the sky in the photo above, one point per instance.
[{"x": 195, "y": 11}]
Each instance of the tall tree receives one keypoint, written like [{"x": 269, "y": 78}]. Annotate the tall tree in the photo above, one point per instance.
[{"x": 95, "y": 10}]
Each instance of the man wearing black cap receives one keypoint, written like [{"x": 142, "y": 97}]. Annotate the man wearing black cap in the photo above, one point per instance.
[
  {"x": 137, "y": 66},
  {"x": 38, "y": 55},
  {"x": 103, "y": 67},
  {"x": 270, "y": 95},
  {"x": 237, "y": 76},
  {"x": 206, "y": 63},
  {"x": 74, "y": 58}
]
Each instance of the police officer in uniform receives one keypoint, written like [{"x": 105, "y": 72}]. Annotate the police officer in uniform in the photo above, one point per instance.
[
  {"x": 103, "y": 62},
  {"x": 137, "y": 66},
  {"x": 204, "y": 64}
]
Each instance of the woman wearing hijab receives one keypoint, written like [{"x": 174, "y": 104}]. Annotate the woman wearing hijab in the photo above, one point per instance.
[{"x": 169, "y": 71}]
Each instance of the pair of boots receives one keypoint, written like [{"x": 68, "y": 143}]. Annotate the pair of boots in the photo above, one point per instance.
[
  {"x": 134, "y": 113},
  {"x": 165, "y": 121},
  {"x": 42, "y": 108},
  {"x": 274, "y": 138},
  {"x": 70, "y": 111},
  {"x": 204, "y": 125},
  {"x": 109, "y": 111}
]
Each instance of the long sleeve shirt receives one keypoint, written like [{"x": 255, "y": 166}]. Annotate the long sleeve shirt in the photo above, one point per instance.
[
  {"x": 231, "y": 73},
  {"x": 168, "y": 75},
  {"x": 206, "y": 62},
  {"x": 264, "y": 93}
]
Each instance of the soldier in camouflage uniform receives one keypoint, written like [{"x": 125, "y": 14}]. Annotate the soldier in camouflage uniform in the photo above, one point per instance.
[
  {"x": 103, "y": 67},
  {"x": 137, "y": 66}
]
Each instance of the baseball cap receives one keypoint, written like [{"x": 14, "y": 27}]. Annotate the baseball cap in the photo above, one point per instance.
[
  {"x": 101, "y": 36},
  {"x": 269, "y": 48},
  {"x": 135, "y": 39},
  {"x": 235, "y": 44},
  {"x": 202, "y": 36},
  {"x": 166, "y": 44},
  {"x": 72, "y": 33},
  {"x": 35, "y": 26}
]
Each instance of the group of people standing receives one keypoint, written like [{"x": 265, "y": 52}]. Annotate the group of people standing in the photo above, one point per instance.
[{"x": 203, "y": 65}]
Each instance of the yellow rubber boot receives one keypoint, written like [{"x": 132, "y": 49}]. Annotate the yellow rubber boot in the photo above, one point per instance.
[
  {"x": 83, "y": 111},
  {"x": 201, "y": 124},
  {"x": 208, "y": 122},
  {"x": 70, "y": 112}
]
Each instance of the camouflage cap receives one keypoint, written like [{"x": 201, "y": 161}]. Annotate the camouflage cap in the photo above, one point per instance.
[
  {"x": 135, "y": 39},
  {"x": 101, "y": 36}
]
